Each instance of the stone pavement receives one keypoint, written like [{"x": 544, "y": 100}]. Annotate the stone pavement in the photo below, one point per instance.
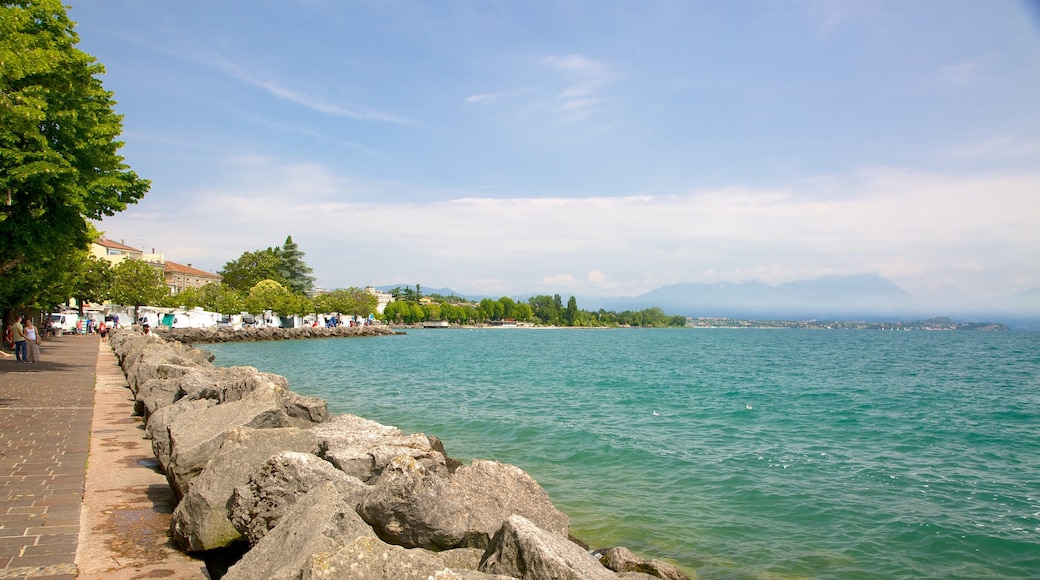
[{"x": 46, "y": 423}]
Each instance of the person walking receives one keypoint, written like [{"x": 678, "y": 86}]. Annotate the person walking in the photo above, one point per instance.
[
  {"x": 32, "y": 342},
  {"x": 19, "y": 340}
]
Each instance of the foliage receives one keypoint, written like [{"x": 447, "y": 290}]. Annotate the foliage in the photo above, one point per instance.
[
  {"x": 59, "y": 165},
  {"x": 283, "y": 265},
  {"x": 353, "y": 301},
  {"x": 293, "y": 269},
  {"x": 407, "y": 293},
  {"x": 93, "y": 280},
  {"x": 214, "y": 297},
  {"x": 252, "y": 267},
  {"x": 136, "y": 283},
  {"x": 268, "y": 295}
]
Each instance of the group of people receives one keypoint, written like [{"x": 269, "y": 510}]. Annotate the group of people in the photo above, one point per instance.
[{"x": 24, "y": 339}]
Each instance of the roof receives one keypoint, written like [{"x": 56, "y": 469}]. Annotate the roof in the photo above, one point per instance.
[
  {"x": 115, "y": 245},
  {"x": 175, "y": 268}
]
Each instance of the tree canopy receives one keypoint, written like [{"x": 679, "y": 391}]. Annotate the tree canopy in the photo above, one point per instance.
[
  {"x": 293, "y": 269},
  {"x": 59, "y": 161},
  {"x": 136, "y": 283},
  {"x": 284, "y": 265}
]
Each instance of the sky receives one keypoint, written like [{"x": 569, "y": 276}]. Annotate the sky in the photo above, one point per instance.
[{"x": 590, "y": 148}]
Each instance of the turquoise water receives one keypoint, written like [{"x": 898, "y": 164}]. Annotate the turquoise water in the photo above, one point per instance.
[{"x": 734, "y": 453}]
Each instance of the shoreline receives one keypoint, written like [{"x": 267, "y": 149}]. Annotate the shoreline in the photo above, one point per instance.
[{"x": 144, "y": 359}]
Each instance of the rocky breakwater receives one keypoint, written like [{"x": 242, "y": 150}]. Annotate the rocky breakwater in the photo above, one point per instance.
[
  {"x": 252, "y": 334},
  {"x": 312, "y": 496}
]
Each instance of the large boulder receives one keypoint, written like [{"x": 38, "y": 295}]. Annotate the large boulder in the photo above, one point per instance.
[
  {"x": 414, "y": 508},
  {"x": 228, "y": 383},
  {"x": 141, "y": 364},
  {"x": 200, "y": 521},
  {"x": 364, "y": 448},
  {"x": 273, "y": 488},
  {"x": 196, "y": 434},
  {"x": 623, "y": 560},
  {"x": 522, "y": 549},
  {"x": 158, "y": 426},
  {"x": 320, "y": 522},
  {"x": 372, "y": 559},
  {"x": 162, "y": 389}
]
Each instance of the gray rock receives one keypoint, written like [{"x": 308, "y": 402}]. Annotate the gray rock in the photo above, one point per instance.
[
  {"x": 228, "y": 384},
  {"x": 318, "y": 523},
  {"x": 158, "y": 427},
  {"x": 161, "y": 390},
  {"x": 364, "y": 448},
  {"x": 304, "y": 411},
  {"x": 196, "y": 434},
  {"x": 462, "y": 558},
  {"x": 275, "y": 486},
  {"x": 372, "y": 559},
  {"x": 200, "y": 521},
  {"x": 621, "y": 559},
  {"x": 143, "y": 363},
  {"x": 411, "y": 507},
  {"x": 522, "y": 549}
]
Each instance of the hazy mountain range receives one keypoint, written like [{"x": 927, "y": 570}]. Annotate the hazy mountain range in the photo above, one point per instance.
[{"x": 862, "y": 297}]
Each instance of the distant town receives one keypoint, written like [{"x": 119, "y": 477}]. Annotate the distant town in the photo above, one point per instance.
[{"x": 934, "y": 324}]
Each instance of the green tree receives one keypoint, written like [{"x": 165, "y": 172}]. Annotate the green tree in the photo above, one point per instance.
[
  {"x": 217, "y": 297},
  {"x": 93, "y": 282},
  {"x": 59, "y": 161},
  {"x": 570, "y": 316},
  {"x": 268, "y": 295},
  {"x": 347, "y": 301},
  {"x": 293, "y": 269},
  {"x": 252, "y": 267},
  {"x": 136, "y": 283}
]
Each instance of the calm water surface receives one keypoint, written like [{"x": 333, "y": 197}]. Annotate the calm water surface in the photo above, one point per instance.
[{"x": 734, "y": 453}]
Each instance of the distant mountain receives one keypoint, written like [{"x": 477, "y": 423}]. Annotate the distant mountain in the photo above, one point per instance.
[
  {"x": 862, "y": 297},
  {"x": 865, "y": 295}
]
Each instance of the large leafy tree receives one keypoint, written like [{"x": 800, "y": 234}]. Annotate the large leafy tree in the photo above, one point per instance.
[
  {"x": 268, "y": 295},
  {"x": 136, "y": 283},
  {"x": 351, "y": 300},
  {"x": 284, "y": 265},
  {"x": 93, "y": 281},
  {"x": 59, "y": 161},
  {"x": 294, "y": 270},
  {"x": 253, "y": 267}
]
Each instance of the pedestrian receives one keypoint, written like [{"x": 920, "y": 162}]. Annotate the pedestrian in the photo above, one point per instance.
[
  {"x": 32, "y": 342},
  {"x": 102, "y": 330},
  {"x": 146, "y": 329},
  {"x": 9, "y": 337},
  {"x": 19, "y": 339}
]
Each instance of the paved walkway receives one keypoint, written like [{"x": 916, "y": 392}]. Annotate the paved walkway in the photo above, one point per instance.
[{"x": 49, "y": 526}]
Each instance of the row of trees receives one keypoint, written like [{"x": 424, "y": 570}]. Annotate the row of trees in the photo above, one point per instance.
[
  {"x": 272, "y": 295},
  {"x": 59, "y": 160},
  {"x": 410, "y": 307}
]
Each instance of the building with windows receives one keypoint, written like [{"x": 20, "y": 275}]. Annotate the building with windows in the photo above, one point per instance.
[
  {"x": 383, "y": 298},
  {"x": 180, "y": 277}
]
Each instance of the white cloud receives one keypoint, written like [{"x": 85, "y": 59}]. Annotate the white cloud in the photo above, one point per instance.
[{"x": 923, "y": 231}]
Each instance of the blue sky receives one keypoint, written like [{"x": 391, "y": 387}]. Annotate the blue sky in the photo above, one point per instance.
[{"x": 585, "y": 147}]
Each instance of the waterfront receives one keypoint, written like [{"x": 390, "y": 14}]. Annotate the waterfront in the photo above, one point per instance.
[{"x": 737, "y": 454}]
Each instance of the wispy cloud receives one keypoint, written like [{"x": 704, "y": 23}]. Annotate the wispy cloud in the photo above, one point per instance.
[
  {"x": 305, "y": 99},
  {"x": 585, "y": 80},
  {"x": 963, "y": 73},
  {"x": 997, "y": 148},
  {"x": 488, "y": 98}
]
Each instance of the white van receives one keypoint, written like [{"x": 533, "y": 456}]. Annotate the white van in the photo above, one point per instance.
[{"x": 64, "y": 322}]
